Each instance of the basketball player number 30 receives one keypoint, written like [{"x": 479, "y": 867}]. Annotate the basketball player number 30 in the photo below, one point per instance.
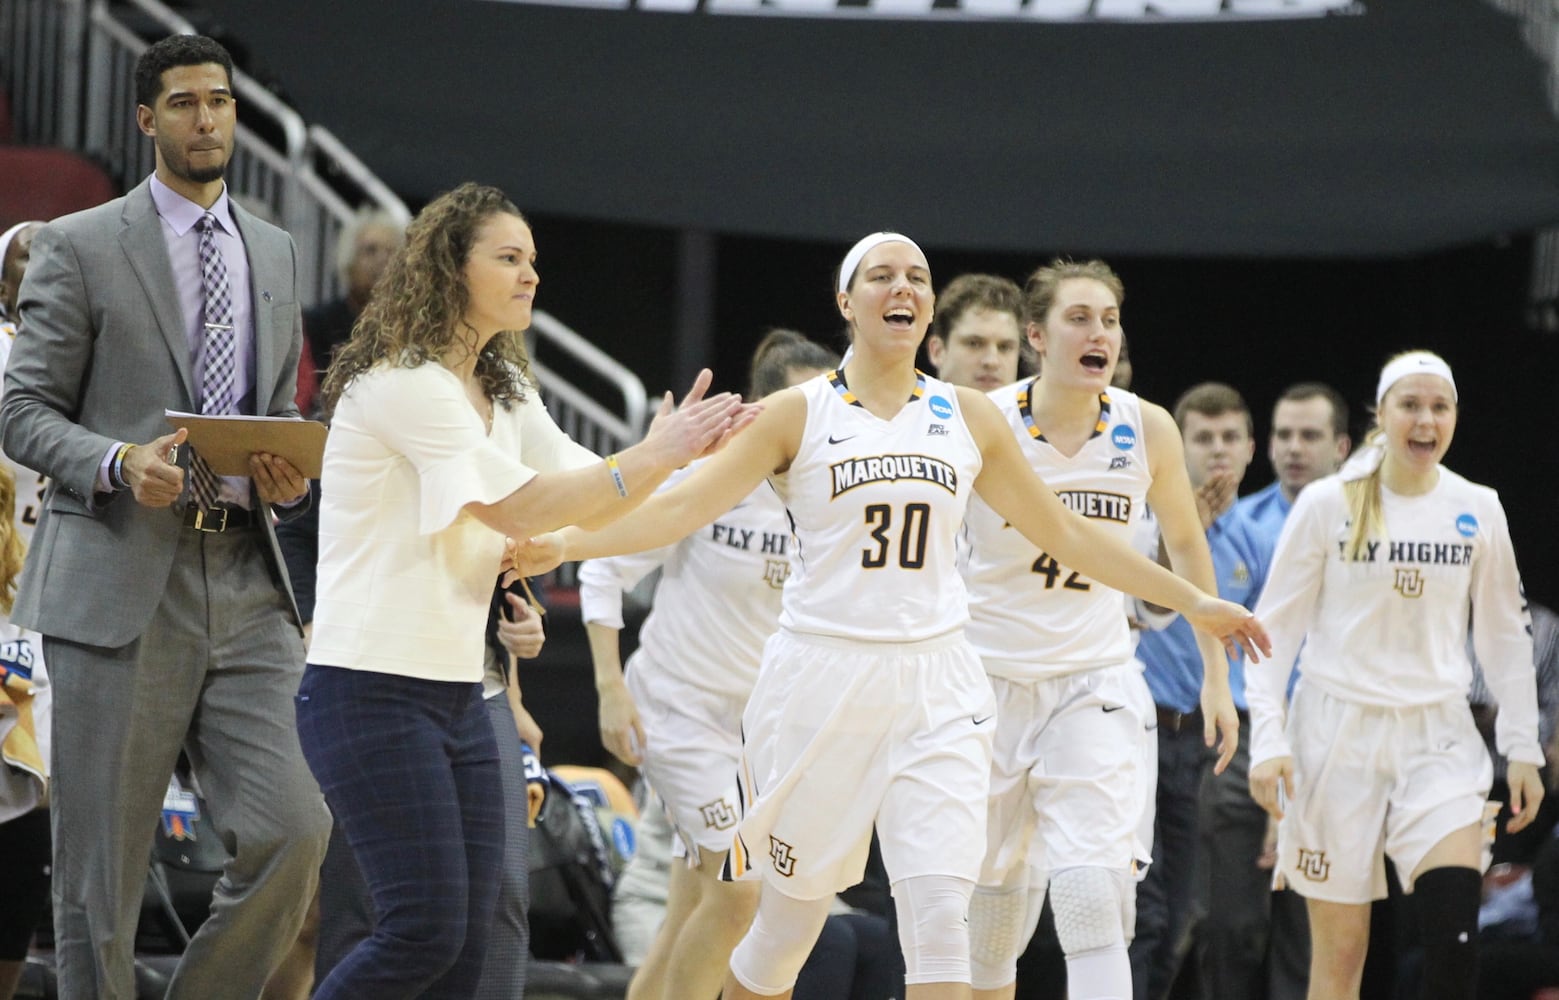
[{"x": 912, "y": 536}]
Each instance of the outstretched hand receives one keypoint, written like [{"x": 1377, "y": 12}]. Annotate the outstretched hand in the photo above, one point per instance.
[
  {"x": 680, "y": 434},
  {"x": 148, "y": 470},
  {"x": 1232, "y": 625},
  {"x": 531, "y": 557}
]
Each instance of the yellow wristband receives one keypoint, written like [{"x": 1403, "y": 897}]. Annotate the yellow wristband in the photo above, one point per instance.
[
  {"x": 617, "y": 475},
  {"x": 116, "y": 477}
]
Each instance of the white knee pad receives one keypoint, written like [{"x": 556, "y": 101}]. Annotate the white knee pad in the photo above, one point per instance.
[
  {"x": 933, "y": 915},
  {"x": 768, "y": 960},
  {"x": 995, "y": 935},
  {"x": 1002, "y": 918},
  {"x": 1093, "y": 908}
]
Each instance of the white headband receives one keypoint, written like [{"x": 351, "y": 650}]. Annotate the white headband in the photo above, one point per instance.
[
  {"x": 852, "y": 260},
  {"x": 1413, "y": 363},
  {"x": 10, "y": 234}
]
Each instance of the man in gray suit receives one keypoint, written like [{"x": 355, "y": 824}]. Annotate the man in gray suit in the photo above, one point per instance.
[{"x": 167, "y": 616}]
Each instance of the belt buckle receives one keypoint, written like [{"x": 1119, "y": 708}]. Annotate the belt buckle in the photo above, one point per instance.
[{"x": 206, "y": 520}]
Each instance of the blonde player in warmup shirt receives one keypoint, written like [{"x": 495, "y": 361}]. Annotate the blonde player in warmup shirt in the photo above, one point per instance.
[
  {"x": 1066, "y": 781},
  {"x": 1376, "y": 573},
  {"x": 677, "y": 714},
  {"x": 870, "y": 706}
]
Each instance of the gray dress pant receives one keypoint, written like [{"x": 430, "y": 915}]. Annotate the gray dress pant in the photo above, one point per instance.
[{"x": 214, "y": 674}]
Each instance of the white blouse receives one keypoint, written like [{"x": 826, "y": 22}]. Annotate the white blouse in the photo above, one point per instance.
[{"x": 405, "y": 574}]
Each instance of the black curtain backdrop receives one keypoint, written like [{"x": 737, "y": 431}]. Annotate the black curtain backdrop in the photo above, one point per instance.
[
  {"x": 1411, "y": 125},
  {"x": 1286, "y": 200}
]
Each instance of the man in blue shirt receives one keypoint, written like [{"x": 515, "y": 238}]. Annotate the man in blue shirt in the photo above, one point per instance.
[{"x": 1215, "y": 425}]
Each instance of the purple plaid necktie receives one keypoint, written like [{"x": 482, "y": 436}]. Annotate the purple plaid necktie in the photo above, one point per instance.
[{"x": 216, "y": 355}]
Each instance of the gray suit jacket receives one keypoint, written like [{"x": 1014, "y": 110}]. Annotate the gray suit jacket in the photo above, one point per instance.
[{"x": 100, "y": 353}]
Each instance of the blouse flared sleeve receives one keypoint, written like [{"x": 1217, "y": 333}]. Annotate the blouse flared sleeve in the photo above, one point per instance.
[{"x": 423, "y": 415}]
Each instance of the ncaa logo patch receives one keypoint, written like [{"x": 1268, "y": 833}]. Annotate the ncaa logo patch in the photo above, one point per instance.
[
  {"x": 941, "y": 408},
  {"x": 1467, "y": 525},
  {"x": 1123, "y": 437}
]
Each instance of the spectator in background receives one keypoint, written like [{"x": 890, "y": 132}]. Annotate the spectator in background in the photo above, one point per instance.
[
  {"x": 24, "y": 819},
  {"x": 15, "y": 248},
  {"x": 186, "y": 635},
  {"x": 25, "y": 704},
  {"x": 364, "y": 248},
  {"x": 1256, "y": 942},
  {"x": 15, "y": 252},
  {"x": 976, "y": 336},
  {"x": 1215, "y": 426}
]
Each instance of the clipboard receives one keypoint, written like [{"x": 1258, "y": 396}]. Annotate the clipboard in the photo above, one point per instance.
[{"x": 227, "y": 441}]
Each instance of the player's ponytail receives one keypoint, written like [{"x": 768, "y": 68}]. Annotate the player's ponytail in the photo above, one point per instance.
[{"x": 1363, "y": 495}]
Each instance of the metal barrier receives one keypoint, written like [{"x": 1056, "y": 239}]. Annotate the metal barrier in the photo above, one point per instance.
[
  {"x": 71, "y": 65},
  {"x": 43, "y": 43}
]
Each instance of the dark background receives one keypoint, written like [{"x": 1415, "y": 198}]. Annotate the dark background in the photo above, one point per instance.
[{"x": 1286, "y": 200}]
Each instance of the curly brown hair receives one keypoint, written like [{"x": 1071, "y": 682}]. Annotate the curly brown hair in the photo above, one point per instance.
[
  {"x": 12, "y": 551},
  {"x": 417, "y": 312}
]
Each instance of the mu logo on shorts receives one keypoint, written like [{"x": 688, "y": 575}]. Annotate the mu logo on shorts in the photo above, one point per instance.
[
  {"x": 1409, "y": 583},
  {"x": 775, "y": 571},
  {"x": 784, "y": 861},
  {"x": 1313, "y": 865},
  {"x": 718, "y": 815}
]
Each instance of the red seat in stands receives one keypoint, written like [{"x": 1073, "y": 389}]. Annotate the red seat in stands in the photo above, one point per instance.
[{"x": 43, "y": 182}]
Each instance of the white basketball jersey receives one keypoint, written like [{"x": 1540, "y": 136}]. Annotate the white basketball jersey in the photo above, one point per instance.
[
  {"x": 876, "y": 507},
  {"x": 1390, "y": 628},
  {"x": 1030, "y": 616}
]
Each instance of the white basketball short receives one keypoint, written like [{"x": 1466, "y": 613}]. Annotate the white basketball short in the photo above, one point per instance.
[
  {"x": 1066, "y": 790},
  {"x": 1147, "y": 764},
  {"x": 1370, "y": 782},
  {"x": 841, "y": 735},
  {"x": 692, "y": 750}
]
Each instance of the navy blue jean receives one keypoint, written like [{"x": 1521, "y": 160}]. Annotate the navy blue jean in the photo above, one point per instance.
[
  {"x": 1166, "y": 898},
  {"x": 409, "y": 768}
]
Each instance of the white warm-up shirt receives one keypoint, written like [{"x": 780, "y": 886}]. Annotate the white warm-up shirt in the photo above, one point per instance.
[
  {"x": 405, "y": 573},
  {"x": 718, "y": 599},
  {"x": 1391, "y": 629}
]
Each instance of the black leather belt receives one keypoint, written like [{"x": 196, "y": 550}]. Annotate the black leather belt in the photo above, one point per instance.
[
  {"x": 1177, "y": 722},
  {"x": 215, "y": 520}
]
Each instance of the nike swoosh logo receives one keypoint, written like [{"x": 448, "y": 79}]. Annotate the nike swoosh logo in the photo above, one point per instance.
[
  {"x": 981, "y": 722},
  {"x": 842, "y": 440},
  {"x": 1113, "y": 708}
]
